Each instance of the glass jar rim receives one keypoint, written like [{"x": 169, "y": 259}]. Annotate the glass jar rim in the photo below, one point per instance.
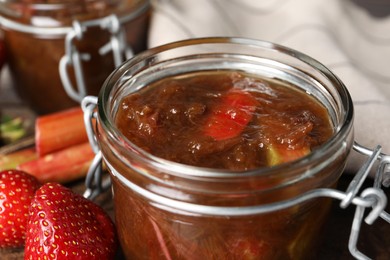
[{"x": 107, "y": 121}]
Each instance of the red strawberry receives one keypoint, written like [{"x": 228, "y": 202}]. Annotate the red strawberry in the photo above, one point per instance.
[
  {"x": 17, "y": 189},
  {"x": 65, "y": 225},
  {"x": 229, "y": 118}
]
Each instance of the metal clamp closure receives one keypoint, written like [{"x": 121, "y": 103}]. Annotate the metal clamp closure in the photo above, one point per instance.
[
  {"x": 374, "y": 195},
  {"x": 73, "y": 58},
  {"x": 94, "y": 182}
]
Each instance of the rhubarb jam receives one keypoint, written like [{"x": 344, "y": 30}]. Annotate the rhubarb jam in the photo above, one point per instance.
[
  {"x": 210, "y": 143},
  {"x": 223, "y": 120},
  {"x": 36, "y": 35}
]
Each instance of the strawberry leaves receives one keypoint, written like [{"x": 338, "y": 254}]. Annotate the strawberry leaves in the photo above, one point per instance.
[{"x": 66, "y": 225}]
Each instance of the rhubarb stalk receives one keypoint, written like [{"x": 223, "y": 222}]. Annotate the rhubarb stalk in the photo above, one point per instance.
[
  {"x": 59, "y": 130},
  {"x": 62, "y": 166},
  {"x": 12, "y": 160}
]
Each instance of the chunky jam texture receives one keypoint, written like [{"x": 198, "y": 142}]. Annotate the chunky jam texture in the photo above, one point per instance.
[{"x": 225, "y": 120}]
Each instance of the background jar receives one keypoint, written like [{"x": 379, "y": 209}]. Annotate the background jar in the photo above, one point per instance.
[
  {"x": 166, "y": 210},
  {"x": 36, "y": 33}
]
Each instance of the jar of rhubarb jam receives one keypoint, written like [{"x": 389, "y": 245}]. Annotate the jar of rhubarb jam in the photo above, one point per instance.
[
  {"x": 60, "y": 51},
  {"x": 222, "y": 148}
]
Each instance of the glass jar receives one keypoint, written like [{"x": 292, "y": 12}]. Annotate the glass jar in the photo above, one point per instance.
[
  {"x": 84, "y": 35},
  {"x": 166, "y": 210}
]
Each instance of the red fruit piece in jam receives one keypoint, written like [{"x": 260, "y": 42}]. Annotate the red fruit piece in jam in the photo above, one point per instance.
[{"x": 229, "y": 118}]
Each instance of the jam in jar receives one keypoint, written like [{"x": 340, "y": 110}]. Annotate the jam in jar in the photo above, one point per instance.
[
  {"x": 84, "y": 34},
  {"x": 210, "y": 143}
]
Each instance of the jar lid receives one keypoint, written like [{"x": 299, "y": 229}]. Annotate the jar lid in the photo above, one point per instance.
[{"x": 56, "y": 19}]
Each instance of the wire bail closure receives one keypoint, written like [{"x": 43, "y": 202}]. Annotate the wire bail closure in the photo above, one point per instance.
[
  {"x": 372, "y": 197},
  {"x": 94, "y": 182},
  {"x": 73, "y": 58}
]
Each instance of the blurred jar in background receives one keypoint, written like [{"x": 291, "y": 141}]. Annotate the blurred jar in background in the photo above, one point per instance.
[{"x": 60, "y": 51}]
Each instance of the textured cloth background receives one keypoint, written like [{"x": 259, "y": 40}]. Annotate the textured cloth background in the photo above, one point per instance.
[{"x": 350, "y": 37}]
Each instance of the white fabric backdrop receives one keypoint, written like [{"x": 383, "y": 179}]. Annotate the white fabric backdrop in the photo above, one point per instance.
[{"x": 342, "y": 34}]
